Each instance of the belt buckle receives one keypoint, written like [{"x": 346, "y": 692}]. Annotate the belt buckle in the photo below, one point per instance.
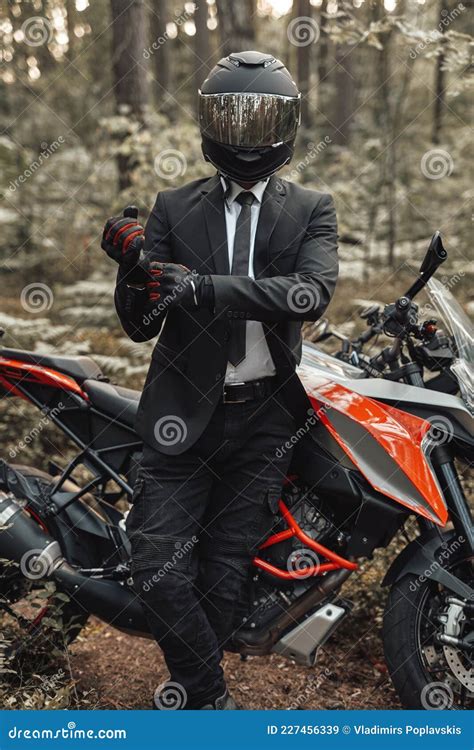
[{"x": 228, "y": 401}]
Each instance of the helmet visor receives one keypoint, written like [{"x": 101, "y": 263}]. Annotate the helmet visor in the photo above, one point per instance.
[{"x": 249, "y": 120}]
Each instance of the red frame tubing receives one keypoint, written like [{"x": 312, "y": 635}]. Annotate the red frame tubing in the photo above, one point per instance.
[{"x": 336, "y": 561}]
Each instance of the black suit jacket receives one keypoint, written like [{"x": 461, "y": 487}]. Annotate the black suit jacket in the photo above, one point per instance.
[{"x": 295, "y": 265}]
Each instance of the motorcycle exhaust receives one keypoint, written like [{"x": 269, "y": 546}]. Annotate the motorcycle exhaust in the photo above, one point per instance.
[
  {"x": 261, "y": 642},
  {"x": 39, "y": 556},
  {"x": 25, "y": 543}
]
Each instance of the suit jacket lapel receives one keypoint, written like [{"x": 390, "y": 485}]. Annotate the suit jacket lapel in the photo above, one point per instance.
[
  {"x": 272, "y": 204},
  {"x": 213, "y": 207}
]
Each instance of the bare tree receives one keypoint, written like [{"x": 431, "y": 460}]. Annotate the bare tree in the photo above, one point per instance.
[
  {"x": 302, "y": 10},
  {"x": 70, "y": 21},
  {"x": 344, "y": 94},
  {"x": 129, "y": 40},
  {"x": 237, "y": 25},
  {"x": 323, "y": 43},
  {"x": 159, "y": 16},
  {"x": 202, "y": 49},
  {"x": 438, "y": 108}
]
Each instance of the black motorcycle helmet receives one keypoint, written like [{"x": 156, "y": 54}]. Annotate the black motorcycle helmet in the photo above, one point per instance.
[{"x": 249, "y": 112}]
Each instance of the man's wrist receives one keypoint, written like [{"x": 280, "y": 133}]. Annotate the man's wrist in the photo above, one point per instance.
[{"x": 134, "y": 276}]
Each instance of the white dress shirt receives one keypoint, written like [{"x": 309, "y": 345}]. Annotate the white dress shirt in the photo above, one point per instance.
[{"x": 258, "y": 362}]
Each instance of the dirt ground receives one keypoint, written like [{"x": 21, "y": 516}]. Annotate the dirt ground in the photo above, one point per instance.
[{"x": 114, "y": 671}]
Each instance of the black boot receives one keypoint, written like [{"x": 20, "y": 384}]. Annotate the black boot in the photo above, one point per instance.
[{"x": 224, "y": 703}]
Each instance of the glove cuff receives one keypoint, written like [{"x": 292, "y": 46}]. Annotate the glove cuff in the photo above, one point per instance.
[{"x": 134, "y": 274}]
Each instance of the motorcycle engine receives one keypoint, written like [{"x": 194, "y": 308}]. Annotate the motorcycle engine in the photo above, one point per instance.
[
  {"x": 269, "y": 594},
  {"x": 316, "y": 520}
]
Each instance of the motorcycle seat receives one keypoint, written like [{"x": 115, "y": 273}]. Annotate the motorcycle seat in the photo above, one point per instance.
[
  {"x": 80, "y": 368},
  {"x": 116, "y": 401}
]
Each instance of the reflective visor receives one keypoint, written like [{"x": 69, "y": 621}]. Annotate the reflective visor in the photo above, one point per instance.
[{"x": 249, "y": 120}]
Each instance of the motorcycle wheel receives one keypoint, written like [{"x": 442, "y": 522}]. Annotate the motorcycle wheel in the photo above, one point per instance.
[
  {"x": 51, "y": 620},
  {"x": 427, "y": 674}
]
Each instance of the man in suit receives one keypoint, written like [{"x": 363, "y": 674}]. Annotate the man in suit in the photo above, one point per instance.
[{"x": 224, "y": 273}]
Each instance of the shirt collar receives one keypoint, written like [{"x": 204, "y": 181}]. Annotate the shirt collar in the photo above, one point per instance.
[{"x": 233, "y": 189}]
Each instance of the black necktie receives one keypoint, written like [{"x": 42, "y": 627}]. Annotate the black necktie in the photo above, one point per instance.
[{"x": 240, "y": 267}]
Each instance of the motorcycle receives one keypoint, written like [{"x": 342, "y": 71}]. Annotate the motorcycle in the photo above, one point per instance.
[
  {"x": 429, "y": 348},
  {"x": 374, "y": 454}
]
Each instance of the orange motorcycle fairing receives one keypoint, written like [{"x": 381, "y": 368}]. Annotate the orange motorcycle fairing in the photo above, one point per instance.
[{"x": 390, "y": 447}]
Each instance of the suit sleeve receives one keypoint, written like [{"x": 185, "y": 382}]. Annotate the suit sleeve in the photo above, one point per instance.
[
  {"x": 141, "y": 319},
  {"x": 301, "y": 295}
]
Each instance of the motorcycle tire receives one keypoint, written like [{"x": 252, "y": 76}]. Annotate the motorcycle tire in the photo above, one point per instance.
[{"x": 404, "y": 647}]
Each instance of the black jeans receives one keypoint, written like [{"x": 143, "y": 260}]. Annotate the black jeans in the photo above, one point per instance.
[{"x": 196, "y": 522}]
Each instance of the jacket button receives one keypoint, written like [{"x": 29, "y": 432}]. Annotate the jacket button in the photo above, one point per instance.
[
  {"x": 229, "y": 313},
  {"x": 218, "y": 376},
  {"x": 236, "y": 314}
]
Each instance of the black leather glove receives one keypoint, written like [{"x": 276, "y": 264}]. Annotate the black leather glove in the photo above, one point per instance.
[
  {"x": 122, "y": 240},
  {"x": 173, "y": 284}
]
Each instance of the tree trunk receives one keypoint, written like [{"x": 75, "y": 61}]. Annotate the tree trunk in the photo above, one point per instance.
[
  {"x": 323, "y": 44},
  {"x": 70, "y": 22},
  {"x": 389, "y": 160},
  {"x": 202, "y": 49},
  {"x": 438, "y": 107},
  {"x": 159, "y": 16},
  {"x": 302, "y": 9},
  {"x": 129, "y": 39},
  {"x": 344, "y": 91},
  {"x": 236, "y": 22}
]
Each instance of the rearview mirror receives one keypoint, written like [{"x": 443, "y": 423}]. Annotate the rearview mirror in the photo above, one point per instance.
[{"x": 435, "y": 256}]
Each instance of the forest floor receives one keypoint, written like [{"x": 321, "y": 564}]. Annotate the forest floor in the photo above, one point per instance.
[{"x": 113, "y": 671}]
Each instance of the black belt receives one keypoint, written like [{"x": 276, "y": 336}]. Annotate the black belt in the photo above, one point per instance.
[{"x": 237, "y": 393}]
